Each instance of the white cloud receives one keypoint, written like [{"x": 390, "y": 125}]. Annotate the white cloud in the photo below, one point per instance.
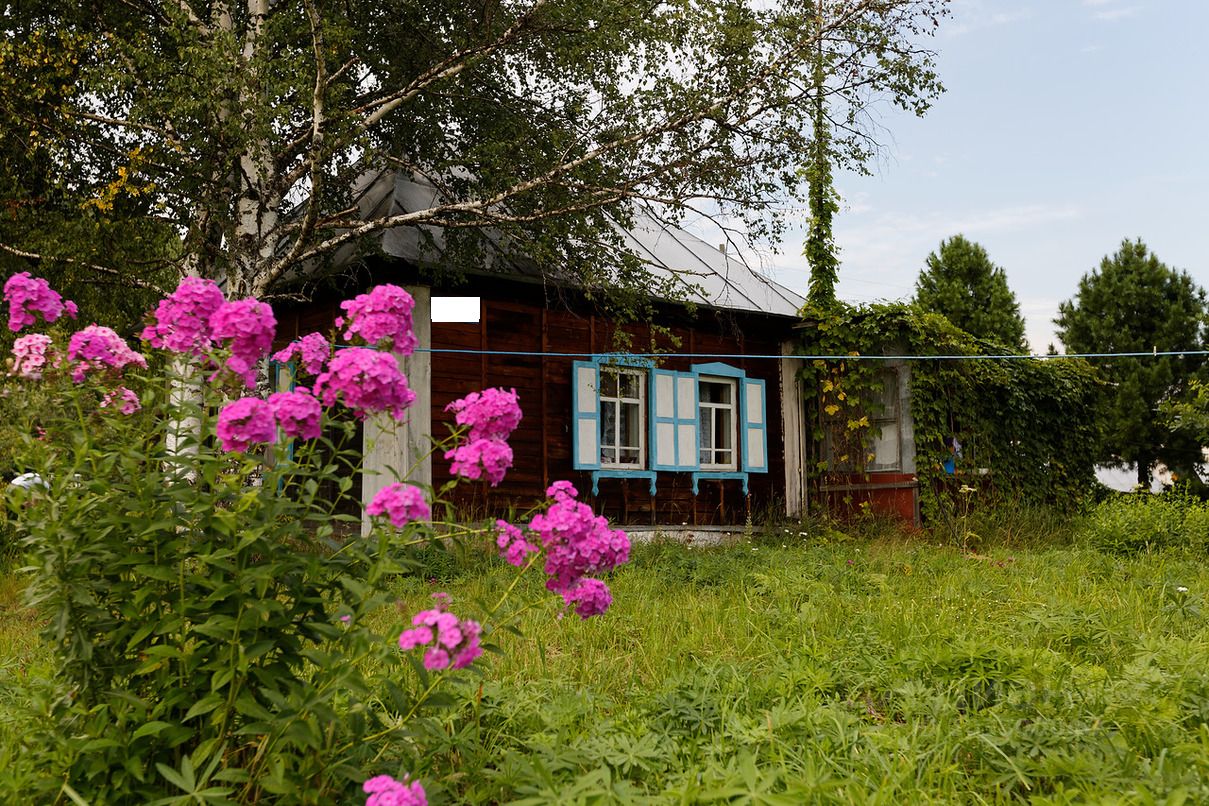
[
  {"x": 973, "y": 15},
  {"x": 1114, "y": 14}
]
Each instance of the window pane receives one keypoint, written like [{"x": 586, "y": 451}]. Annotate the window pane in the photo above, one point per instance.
[
  {"x": 608, "y": 423},
  {"x": 715, "y": 392},
  {"x": 705, "y": 429},
  {"x": 608, "y": 383},
  {"x": 631, "y": 425},
  {"x": 629, "y": 456},
  {"x": 608, "y": 456},
  {"x": 628, "y": 384},
  {"x": 723, "y": 430}
]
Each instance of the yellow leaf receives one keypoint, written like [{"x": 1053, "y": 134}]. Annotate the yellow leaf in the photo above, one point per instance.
[{"x": 831, "y": 410}]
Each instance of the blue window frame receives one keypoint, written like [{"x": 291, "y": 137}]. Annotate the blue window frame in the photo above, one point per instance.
[{"x": 669, "y": 419}]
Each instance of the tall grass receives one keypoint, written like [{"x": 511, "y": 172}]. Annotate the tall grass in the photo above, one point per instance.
[{"x": 822, "y": 665}]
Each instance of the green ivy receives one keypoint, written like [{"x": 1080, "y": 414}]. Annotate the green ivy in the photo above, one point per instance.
[{"x": 1030, "y": 422}]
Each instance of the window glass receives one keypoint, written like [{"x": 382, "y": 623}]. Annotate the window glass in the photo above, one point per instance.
[
  {"x": 717, "y": 421},
  {"x": 622, "y": 418}
]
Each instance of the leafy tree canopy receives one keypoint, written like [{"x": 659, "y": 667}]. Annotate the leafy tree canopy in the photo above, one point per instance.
[
  {"x": 1136, "y": 303},
  {"x": 961, "y": 283},
  {"x": 242, "y": 128}
]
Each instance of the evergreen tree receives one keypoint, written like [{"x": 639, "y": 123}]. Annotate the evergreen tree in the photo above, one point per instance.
[
  {"x": 1135, "y": 303},
  {"x": 962, "y": 283}
]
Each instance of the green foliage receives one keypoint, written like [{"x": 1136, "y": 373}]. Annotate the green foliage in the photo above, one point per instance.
[
  {"x": 911, "y": 674},
  {"x": 217, "y": 634},
  {"x": 1138, "y": 523},
  {"x": 1135, "y": 303},
  {"x": 1029, "y": 422},
  {"x": 963, "y": 285},
  {"x": 246, "y": 134},
  {"x": 820, "y": 250}
]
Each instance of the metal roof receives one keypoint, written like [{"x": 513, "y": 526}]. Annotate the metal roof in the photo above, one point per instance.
[{"x": 712, "y": 277}]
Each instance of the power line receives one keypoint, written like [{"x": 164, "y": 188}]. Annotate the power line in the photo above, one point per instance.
[{"x": 812, "y": 357}]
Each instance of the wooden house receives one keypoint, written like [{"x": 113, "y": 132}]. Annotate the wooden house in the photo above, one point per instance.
[{"x": 706, "y": 435}]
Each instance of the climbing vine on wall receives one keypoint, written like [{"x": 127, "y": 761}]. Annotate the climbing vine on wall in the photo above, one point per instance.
[{"x": 1027, "y": 426}]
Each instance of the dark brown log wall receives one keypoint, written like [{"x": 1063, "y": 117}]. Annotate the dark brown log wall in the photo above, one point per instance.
[{"x": 517, "y": 317}]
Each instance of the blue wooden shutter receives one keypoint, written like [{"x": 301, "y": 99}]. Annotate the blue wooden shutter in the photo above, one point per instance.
[
  {"x": 585, "y": 415},
  {"x": 687, "y": 419},
  {"x": 663, "y": 419},
  {"x": 755, "y": 426}
]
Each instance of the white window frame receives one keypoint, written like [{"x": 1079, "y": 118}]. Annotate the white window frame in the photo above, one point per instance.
[
  {"x": 618, "y": 402},
  {"x": 713, "y": 408}
]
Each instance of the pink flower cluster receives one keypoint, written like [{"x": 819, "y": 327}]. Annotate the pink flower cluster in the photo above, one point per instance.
[
  {"x": 386, "y": 791},
  {"x": 513, "y": 546},
  {"x": 381, "y": 317},
  {"x": 298, "y": 413},
  {"x": 129, "y": 400},
  {"x": 488, "y": 458},
  {"x": 251, "y": 421},
  {"x": 30, "y": 354},
  {"x": 96, "y": 347},
  {"x": 312, "y": 349},
  {"x": 181, "y": 322},
  {"x": 244, "y": 423},
  {"x": 366, "y": 381},
  {"x": 402, "y": 503},
  {"x": 27, "y": 295},
  {"x": 490, "y": 414},
  {"x": 577, "y": 543},
  {"x": 454, "y": 642},
  {"x": 248, "y": 326}
]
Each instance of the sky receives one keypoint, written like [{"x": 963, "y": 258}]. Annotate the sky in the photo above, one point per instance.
[{"x": 1066, "y": 127}]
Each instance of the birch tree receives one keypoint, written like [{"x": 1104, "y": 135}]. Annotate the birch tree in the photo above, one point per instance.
[{"x": 242, "y": 128}]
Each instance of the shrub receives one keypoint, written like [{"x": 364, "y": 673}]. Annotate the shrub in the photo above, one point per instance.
[
  {"x": 212, "y": 628},
  {"x": 1136, "y": 523}
]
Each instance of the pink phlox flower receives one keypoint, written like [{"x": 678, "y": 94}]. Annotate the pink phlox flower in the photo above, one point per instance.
[
  {"x": 436, "y": 659},
  {"x": 27, "y": 295},
  {"x": 577, "y": 543},
  {"x": 381, "y": 317},
  {"x": 313, "y": 351},
  {"x": 30, "y": 354},
  {"x": 457, "y": 640},
  {"x": 181, "y": 321},
  {"x": 366, "y": 381},
  {"x": 130, "y": 401},
  {"x": 417, "y": 636},
  {"x": 560, "y": 490},
  {"x": 248, "y": 325},
  {"x": 383, "y": 790},
  {"x": 97, "y": 347},
  {"x": 490, "y": 414},
  {"x": 402, "y": 503},
  {"x": 591, "y": 597},
  {"x": 483, "y": 457},
  {"x": 298, "y": 413},
  {"x": 246, "y": 422},
  {"x": 513, "y": 546}
]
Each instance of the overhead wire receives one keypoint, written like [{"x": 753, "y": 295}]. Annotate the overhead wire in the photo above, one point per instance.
[{"x": 811, "y": 356}]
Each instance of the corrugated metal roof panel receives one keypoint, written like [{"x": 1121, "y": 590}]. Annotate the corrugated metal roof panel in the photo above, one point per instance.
[{"x": 717, "y": 279}]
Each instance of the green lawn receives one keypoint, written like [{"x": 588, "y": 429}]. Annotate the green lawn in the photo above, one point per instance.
[{"x": 785, "y": 671}]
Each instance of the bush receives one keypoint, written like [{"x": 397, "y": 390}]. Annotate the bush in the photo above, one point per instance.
[
  {"x": 1136, "y": 523},
  {"x": 210, "y": 609}
]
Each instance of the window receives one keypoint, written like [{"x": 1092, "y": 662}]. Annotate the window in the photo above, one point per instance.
[
  {"x": 622, "y": 425},
  {"x": 709, "y": 422},
  {"x": 879, "y": 448},
  {"x": 717, "y": 419},
  {"x": 885, "y": 439}
]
